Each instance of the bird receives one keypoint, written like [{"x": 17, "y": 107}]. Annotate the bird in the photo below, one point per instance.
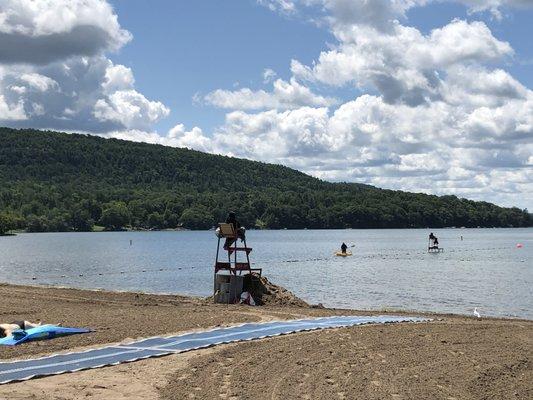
[{"x": 476, "y": 313}]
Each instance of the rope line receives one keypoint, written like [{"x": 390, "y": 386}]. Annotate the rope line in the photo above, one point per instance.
[{"x": 268, "y": 262}]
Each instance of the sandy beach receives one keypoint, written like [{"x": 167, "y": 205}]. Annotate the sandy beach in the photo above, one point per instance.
[{"x": 452, "y": 357}]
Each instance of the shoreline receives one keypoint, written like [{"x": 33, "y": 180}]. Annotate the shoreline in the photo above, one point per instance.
[
  {"x": 126, "y": 230},
  {"x": 451, "y": 357},
  {"x": 372, "y": 311}
]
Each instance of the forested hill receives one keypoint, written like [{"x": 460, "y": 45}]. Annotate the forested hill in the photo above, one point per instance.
[{"x": 51, "y": 181}]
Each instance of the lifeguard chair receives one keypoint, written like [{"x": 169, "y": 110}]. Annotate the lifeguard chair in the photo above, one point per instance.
[{"x": 228, "y": 279}]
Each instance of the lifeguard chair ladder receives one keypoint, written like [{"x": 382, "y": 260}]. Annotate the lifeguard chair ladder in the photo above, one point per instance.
[{"x": 228, "y": 232}]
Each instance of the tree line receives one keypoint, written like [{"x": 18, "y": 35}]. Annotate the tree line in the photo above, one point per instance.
[{"x": 51, "y": 181}]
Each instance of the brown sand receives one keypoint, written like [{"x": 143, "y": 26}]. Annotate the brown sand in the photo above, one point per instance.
[
  {"x": 450, "y": 358},
  {"x": 456, "y": 359}
]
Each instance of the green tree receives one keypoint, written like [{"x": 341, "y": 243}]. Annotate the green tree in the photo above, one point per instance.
[
  {"x": 115, "y": 216},
  {"x": 36, "y": 223},
  {"x": 7, "y": 222},
  {"x": 80, "y": 220},
  {"x": 156, "y": 221},
  {"x": 197, "y": 218}
]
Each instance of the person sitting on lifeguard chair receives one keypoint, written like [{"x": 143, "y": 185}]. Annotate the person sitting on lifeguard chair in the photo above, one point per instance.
[{"x": 232, "y": 219}]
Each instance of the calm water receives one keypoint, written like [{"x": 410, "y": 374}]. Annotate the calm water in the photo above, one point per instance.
[{"x": 389, "y": 268}]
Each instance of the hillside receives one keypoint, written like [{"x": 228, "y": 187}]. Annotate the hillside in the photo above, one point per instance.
[{"x": 51, "y": 181}]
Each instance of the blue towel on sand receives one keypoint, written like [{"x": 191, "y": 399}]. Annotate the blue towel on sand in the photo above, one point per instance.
[{"x": 42, "y": 332}]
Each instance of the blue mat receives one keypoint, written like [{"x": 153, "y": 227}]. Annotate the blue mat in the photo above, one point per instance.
[
  {"x": 159, "y": 346},
  {"x": 39, "y": 333}
]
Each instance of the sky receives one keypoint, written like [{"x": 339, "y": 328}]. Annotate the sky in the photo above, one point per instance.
[{"x": 430, "y": 96}]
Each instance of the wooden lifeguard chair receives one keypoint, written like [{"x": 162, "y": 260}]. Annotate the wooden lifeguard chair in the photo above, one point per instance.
[{"x": 228, "y": 286}]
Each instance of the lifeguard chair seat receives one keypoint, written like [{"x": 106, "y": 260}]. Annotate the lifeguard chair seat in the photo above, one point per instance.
[{"x": 227, "y": 230}]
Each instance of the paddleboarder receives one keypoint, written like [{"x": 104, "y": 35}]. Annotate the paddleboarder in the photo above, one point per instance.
[{"x": 343, "y": 248}]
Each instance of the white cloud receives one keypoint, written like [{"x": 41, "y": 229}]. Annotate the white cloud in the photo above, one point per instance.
[
  {"x": 495, "y": 6},
  {"x": 403, "y": 64},
  {"x": 54, "y": 72},
  {"x": 283, "y": 6},
  {"x": 178, "y": 136},
  {"x": 39, "y": 82},
  {"x": 479, "y": 87},
  {"x": 379, "y": 13},
  {"x": 88, "y": 94},
  {"x": 118, "y": 77},
  {"x": 285, "y": 95},
  {"x": 269, "y": 75},
  {"x": 193, "y": 139},
  {"x": 130, "y": 109},
  {"x": 43, "y": 31},
  {"x": 10, "y": 111}
]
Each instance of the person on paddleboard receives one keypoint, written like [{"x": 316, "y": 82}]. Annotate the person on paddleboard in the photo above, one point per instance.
[
  {"x": 343, "y": 248},
  {"x": 433, "y": 239}
]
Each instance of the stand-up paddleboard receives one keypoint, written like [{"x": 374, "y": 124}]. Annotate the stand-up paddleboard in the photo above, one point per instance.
[{"x": 341, "y": 254}]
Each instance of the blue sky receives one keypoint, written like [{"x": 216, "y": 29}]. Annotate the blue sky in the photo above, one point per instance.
[
  {"x": 181, "y": 48},
  {"x": 430, "y": 96}
]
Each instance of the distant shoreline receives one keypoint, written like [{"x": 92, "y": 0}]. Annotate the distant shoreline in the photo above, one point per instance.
[{"x": 14, "y": 233}]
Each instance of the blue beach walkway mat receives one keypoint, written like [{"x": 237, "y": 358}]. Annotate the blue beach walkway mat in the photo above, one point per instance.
[
  {"x": 42, "y": 332},
  {"x": 21, "y": 370}
]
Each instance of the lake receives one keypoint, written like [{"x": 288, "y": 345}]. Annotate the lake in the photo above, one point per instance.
[{"x": 389, "y": 268}]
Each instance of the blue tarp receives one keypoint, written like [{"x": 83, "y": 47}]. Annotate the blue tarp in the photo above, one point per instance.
[
  {"x": 39, "y": 333},
  {"x": 158, "y": 346}
]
